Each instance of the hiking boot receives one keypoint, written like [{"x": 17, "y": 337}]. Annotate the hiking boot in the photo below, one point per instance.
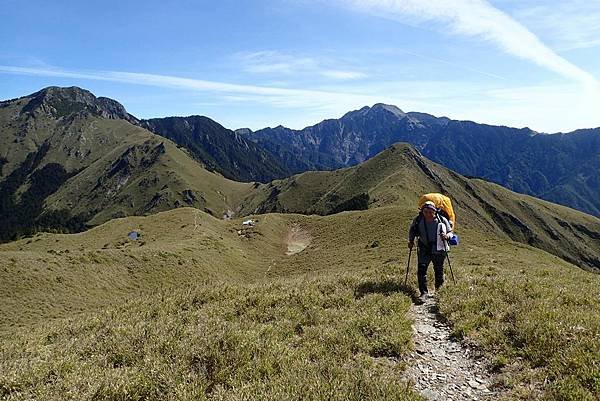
[{"x": 423, "y": 297}]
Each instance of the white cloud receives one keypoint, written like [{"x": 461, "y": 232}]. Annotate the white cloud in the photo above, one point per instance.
[
  {"x": 270, "y": 61},
  {"x": 477, "y": 18},
  {"x": 568, "y": 24},
  {"x": 343, "y": 75},
  {"x": 274, "y": 96},
  {"x": 274, "y": 62}
]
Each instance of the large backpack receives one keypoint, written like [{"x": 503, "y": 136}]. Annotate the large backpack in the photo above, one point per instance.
[{"x": 442, "y": 203}]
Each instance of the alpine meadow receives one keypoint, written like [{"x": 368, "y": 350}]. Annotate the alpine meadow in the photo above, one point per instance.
[{"x": 151, "y": 252}]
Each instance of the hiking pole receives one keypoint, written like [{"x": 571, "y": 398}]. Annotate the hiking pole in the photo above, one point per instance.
[
  {"x": 407, "y": 266},
  {"x": 447, "y": 254},
  {"x": 449, "y": 264}
]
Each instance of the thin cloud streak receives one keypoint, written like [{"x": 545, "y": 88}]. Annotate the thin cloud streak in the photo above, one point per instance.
[
  {"x": 275, "y": 62},
  {"x": 280, "y": 97},
  {"x": 569, "y": 24},
  {"x": 343, "y": 75},
  {"x": 167, "y": 81},
  {"x": 477, "y": 18},
  {"x": 460, "y": 66}
]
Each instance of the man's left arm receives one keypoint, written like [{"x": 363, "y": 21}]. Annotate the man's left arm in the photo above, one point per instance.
[{"x": 448, "y": 226}]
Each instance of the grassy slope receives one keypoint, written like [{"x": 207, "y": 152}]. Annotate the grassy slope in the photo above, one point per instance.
[
  {"x": 536, "y": 316},
  {"x": 111, "y": 169},
  {"x": 297, "y": 339},
  {"x": 229, "y": 324},
  {"x": 62, "y": 274},
  {"x": 398, "y": 176},
  {"x": 171, "y": 174},
  {"x": 239, "y": 319}
]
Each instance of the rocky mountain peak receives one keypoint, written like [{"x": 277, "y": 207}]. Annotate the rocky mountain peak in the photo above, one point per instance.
[
  {"x": 63, "y": 101},
  {"x": 388, "y": 108},
  {"x": 243, "y": 131},
  {"x": 376, "y": 110}
]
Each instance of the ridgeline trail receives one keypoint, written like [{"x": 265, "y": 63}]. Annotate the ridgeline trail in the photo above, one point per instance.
[{"x": 441, "y": 367}]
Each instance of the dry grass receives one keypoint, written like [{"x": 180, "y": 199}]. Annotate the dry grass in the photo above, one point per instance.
[
  {"x": 536, "y": 316},
  {"x": 199, "y": 311},
  {"x": 323, "y": 338}
]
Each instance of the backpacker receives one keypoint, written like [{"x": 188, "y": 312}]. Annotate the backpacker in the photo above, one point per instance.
[{"x": 444, "y": 209}]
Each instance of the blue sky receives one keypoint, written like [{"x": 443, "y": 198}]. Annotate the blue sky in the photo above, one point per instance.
[{"x": 260, "y": 63}]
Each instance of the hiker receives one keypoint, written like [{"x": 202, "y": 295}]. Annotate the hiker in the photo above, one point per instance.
[{"x": 433, "y": 231}]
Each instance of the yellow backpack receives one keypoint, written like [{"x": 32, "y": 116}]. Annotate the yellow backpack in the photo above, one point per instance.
[{"x": 443, "y": 203}]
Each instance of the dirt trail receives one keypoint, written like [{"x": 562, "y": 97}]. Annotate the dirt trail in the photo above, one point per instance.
[
  {"x": 297, "y": 240},
  {"x": 442, "y": 368}
]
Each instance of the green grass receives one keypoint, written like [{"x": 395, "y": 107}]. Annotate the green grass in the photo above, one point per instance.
[
  {"x": 196, "y": 311},
  {"x": 310, "y": 339},
  {"x": 536, "y": 317},
  {"x": 58, "y": 275}
]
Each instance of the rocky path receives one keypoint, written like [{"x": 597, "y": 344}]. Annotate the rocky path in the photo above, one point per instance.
[{"x": 441, "y": 368}]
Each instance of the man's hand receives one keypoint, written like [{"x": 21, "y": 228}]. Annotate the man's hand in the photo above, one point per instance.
[
  {"x": 410, "y": 244},
  {"x": 446, "y": 237}
]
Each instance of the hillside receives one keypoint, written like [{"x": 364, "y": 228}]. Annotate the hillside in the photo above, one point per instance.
[
  {"x": 398, "y": 175},
  {"x": 559, "y": 167},
  {"x": 202, "y": 308},
  {"x": 71, "y": 160},
  {"x": 218, "y": 148}
]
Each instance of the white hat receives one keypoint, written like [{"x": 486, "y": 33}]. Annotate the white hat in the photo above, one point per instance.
[{"x": 429, "y": 205}]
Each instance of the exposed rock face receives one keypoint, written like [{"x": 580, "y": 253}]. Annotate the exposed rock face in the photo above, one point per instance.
[
  {"x": 61, "y": 102},
  {"x": 218, "y": 148},
  {"x": 134, "y": 160}
]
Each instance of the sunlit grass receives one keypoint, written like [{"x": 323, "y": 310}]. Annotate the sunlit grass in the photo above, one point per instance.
[
  {"x": 326, "y": 338},
  {"x": 206, "y": 314},
  {"x": 536, "y": 317}
]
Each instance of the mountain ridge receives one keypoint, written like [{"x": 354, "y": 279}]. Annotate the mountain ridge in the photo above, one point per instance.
[
  {"x": 556, "y": 167},
  {"x": 219, "y": 148},
  {"x": 77, "y": 164},
  {"x": 400, "y": 174},
  {"x": 72, "y": 160}
]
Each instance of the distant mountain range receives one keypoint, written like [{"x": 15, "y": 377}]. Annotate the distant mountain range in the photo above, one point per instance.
[
  {"x": 558, "y": 167},
  {"x": 561, "y": 168},
  {"x": 70, "y": 160}
]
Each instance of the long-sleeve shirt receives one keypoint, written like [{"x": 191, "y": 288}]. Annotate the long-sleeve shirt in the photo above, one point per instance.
[{"x": 427, "y": 231}]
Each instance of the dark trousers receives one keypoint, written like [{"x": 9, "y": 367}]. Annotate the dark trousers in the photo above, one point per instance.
[{"x": 426, "y": 256}]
